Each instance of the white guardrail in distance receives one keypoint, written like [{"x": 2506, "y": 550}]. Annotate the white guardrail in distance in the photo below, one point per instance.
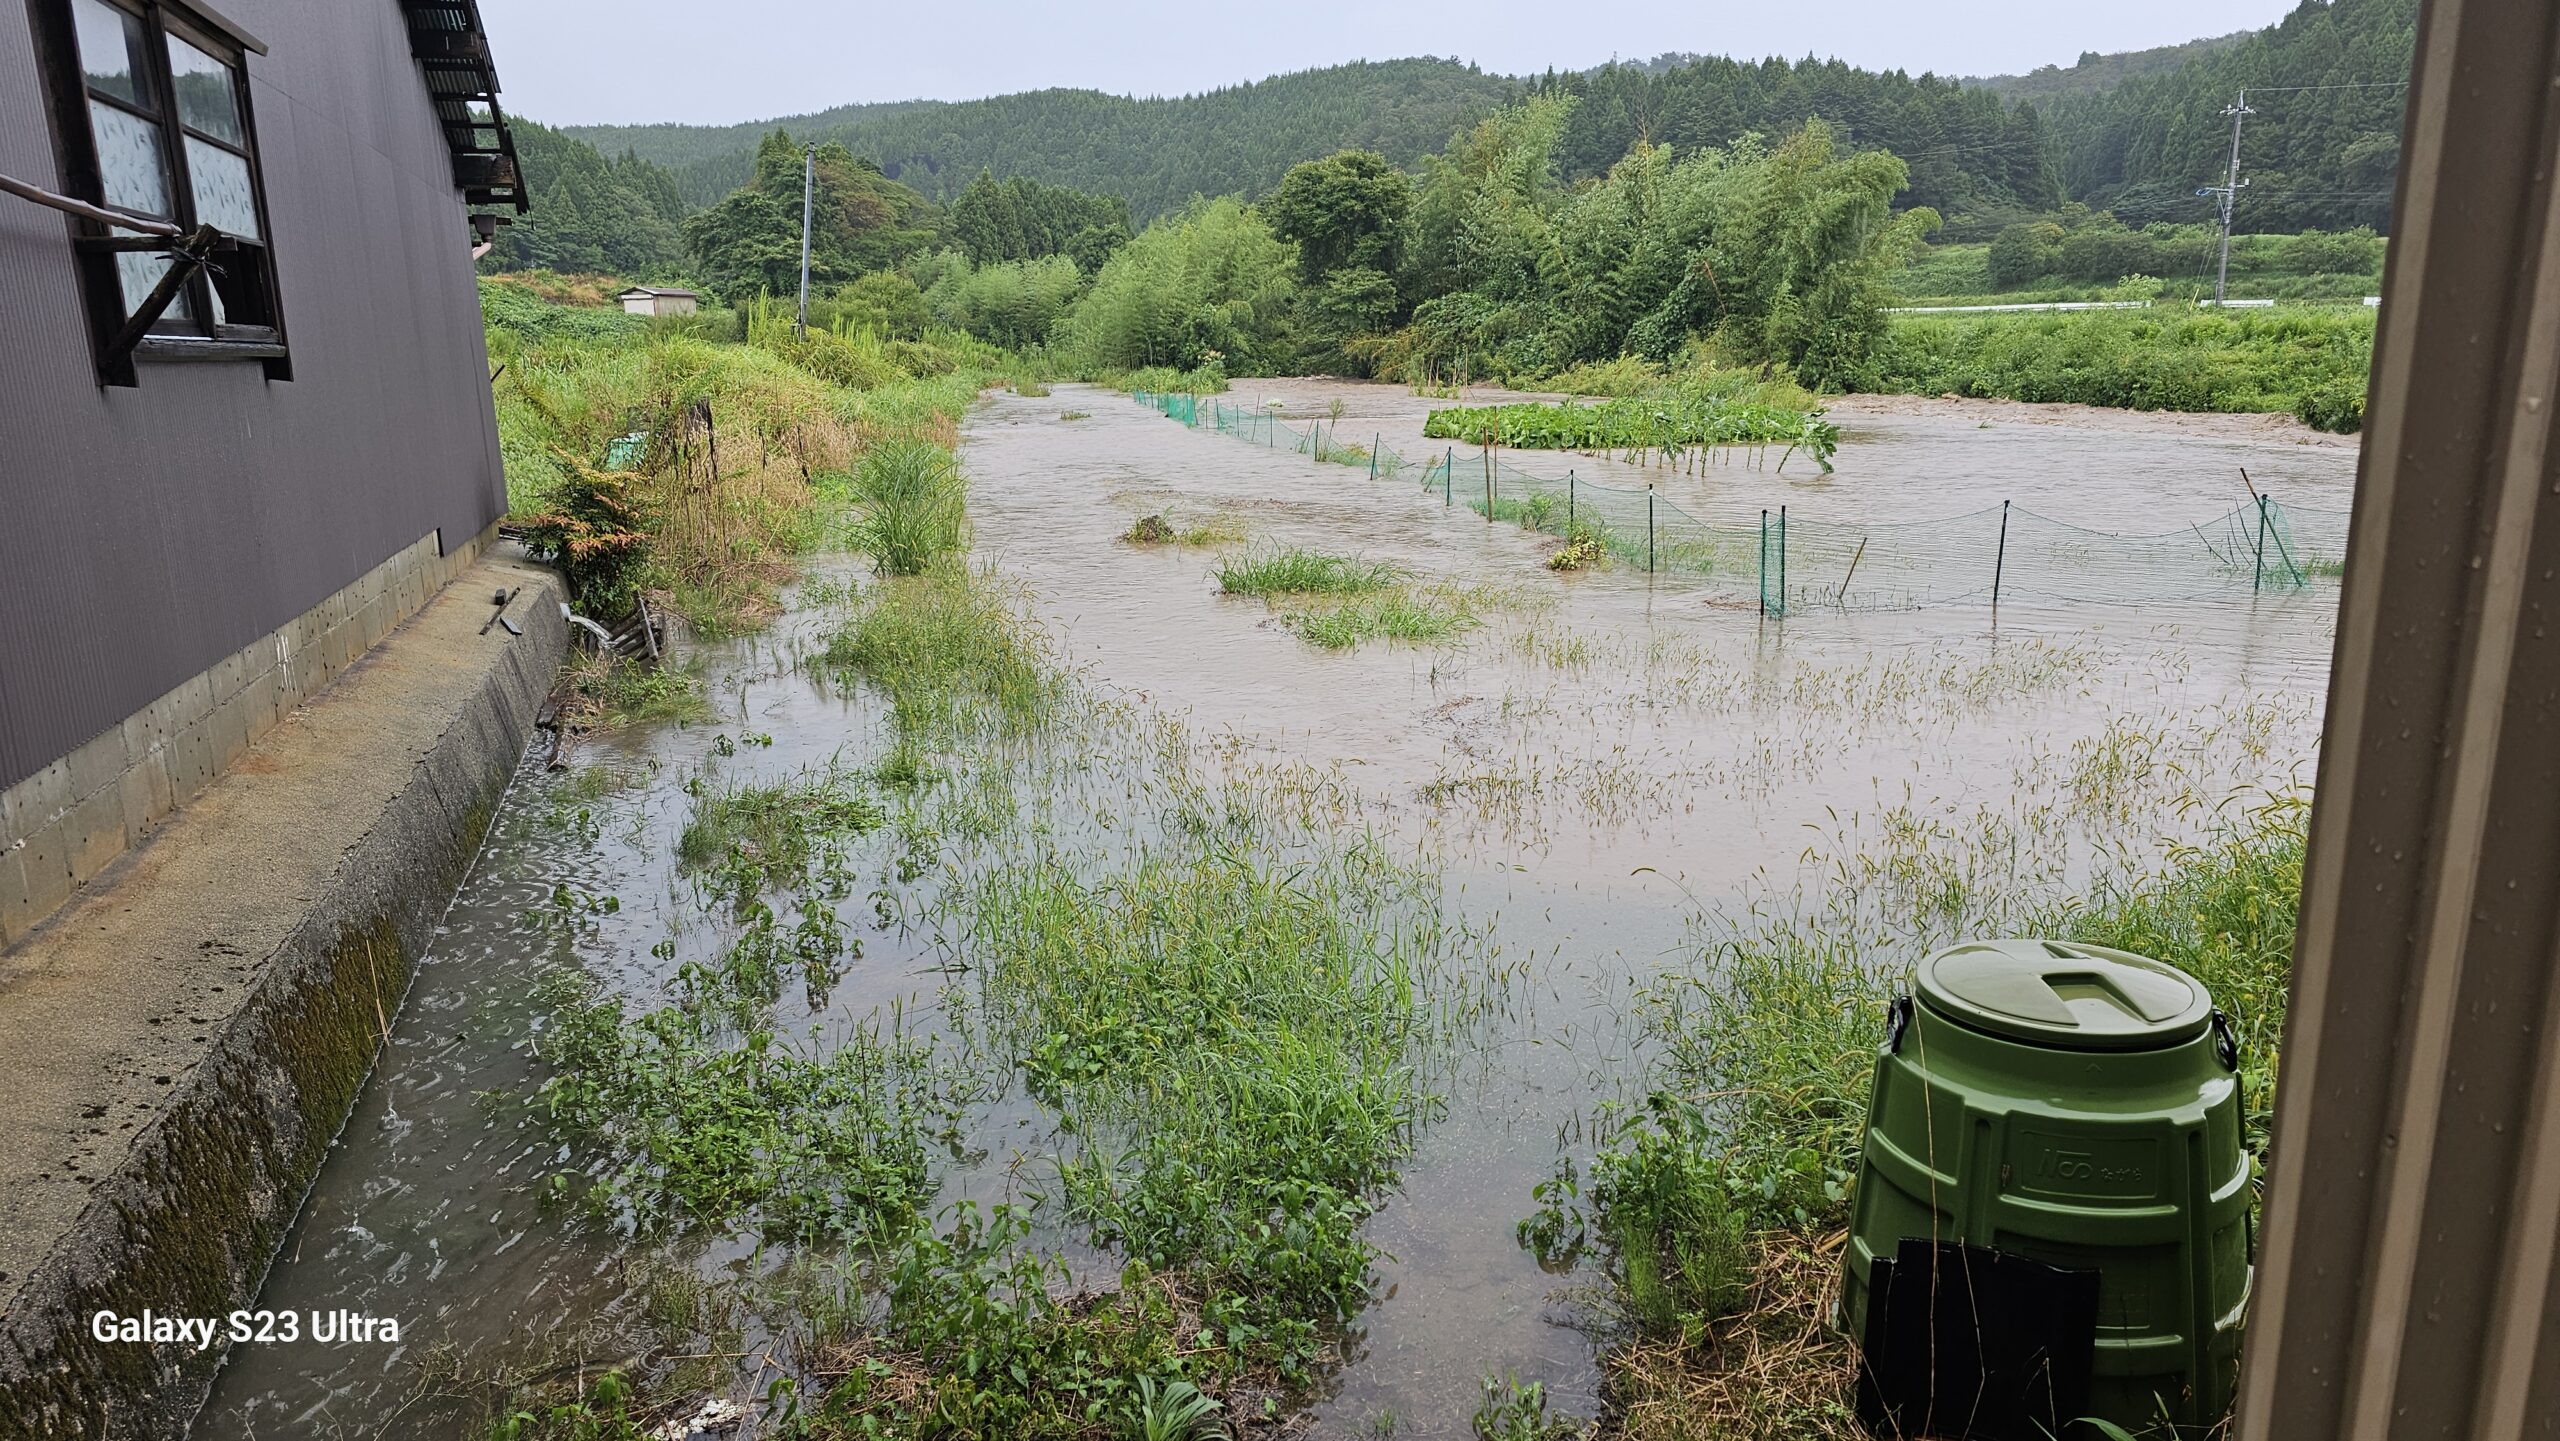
[{"x": 2369, "y": 300}]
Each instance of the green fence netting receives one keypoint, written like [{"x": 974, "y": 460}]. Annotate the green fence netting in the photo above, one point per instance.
[{"x": 1998, "y": 553}]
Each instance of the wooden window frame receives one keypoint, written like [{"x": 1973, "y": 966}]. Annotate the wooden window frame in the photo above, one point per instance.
[{"x": 194, "y": 335}]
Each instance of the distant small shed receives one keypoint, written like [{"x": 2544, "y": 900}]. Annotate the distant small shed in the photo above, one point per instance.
[{"x": 657, "y": 300}]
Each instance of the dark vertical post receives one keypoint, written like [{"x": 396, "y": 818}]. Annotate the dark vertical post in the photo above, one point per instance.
[
  {"x": 1375, "y": 442},
  {"x": 1648, "y": 528},
  {"x": 1487, "y": 451},
  {"x": 1569, "y": 486},
  {"x": 1782, "y": 562},
  {"x": 2258, "y": 570},
  {"x": 1764, "y": 562},
  {"x": 2000, "y": 558}
]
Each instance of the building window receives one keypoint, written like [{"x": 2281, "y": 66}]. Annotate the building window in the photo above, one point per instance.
[{"x": 152, "y": 102}]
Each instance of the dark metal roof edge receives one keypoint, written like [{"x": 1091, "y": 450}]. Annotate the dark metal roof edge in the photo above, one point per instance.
[{"x": 487, "y": 174}]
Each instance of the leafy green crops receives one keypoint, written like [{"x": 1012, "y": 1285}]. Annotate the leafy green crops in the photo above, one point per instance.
[{"x": 1659, "y": 421}]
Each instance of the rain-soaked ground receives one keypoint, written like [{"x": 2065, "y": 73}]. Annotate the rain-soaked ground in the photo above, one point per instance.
[{"x": 1605, "y": 758}]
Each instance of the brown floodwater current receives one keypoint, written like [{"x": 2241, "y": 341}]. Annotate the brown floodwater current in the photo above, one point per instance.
[{"x": 1604, "y": 761}]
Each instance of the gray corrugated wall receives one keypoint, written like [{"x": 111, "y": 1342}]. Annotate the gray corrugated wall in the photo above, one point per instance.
[{"x": 146, "y": 534}]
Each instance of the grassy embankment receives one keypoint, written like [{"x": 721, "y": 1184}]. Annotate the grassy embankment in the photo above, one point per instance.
[
  {"x": 2307, "y": 361},
  {"x": 1219, "y": 1026},
  {"x": 2335, "y": 268},
  {"x": 1717, "y": 1207},
  {"x": 697, "y": 459}
]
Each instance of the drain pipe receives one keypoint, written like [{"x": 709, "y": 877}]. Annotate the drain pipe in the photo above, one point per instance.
[{"x": 604, "y": 638}]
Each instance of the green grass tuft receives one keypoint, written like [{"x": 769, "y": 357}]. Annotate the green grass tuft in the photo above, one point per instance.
[
  {"x": 1302, "y": 572},
  {"x": 914, "y": 505}
]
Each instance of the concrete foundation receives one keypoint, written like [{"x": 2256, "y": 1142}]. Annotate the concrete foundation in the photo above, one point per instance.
[
  {"x": 183, "y": 1040},
  {"x": 62, "y": 826}
]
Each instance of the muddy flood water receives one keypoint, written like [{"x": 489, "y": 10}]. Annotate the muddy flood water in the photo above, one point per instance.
[{"x": 1603, "y": 772}]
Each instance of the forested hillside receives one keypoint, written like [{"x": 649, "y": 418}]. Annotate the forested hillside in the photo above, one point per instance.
[
  {"x": 1966, "y": 148},
  {"x": 1156, "y": 153},
  {"x": 2320, "y": 151},
  {"x": 2094, "y": 73},
  {"x": 622, "y": 216},
  {"x": 2135, "y": 133}
]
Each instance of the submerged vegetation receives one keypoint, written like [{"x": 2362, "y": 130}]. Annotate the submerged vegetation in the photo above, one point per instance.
[
  {"x": 1301, "y": 572},
  {"x": 1337, "y": 602}
]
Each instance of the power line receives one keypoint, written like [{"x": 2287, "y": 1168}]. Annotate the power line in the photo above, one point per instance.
[{"x": 2343, "y": 85}]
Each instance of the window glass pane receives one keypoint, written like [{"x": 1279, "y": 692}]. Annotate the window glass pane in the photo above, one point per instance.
[
  {"x": 140, "y": 272},
  {"x": 111, "y": 51},
  {"x": 223, "y": 197},
  {"x": 130, "y": 160},
  {"x": 207, "y": 100}
]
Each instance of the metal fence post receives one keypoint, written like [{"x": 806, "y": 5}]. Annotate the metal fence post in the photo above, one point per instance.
[
  {"x": 1764, "y": 563},
  {"x": 1487, "y": 452},
  {"x": 2258, "y": 572},
  {"x": 1375, "y": 441},
  {"x": 1782, "y": 562},
  {"x": 1648, "y": 528},
  {"x": 1569, "y": 487},
  {"x": 2000, "y": 560}
]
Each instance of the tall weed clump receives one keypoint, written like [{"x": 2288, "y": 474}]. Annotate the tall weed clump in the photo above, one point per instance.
[
  {"x": 952, "y": 653},
  {"x": 732, "y": 457},
  {"x": 914, "y": 505}
]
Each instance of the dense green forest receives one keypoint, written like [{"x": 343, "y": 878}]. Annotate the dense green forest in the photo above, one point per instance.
[
  {"x": 591, "y": 214},
  {"x": 2320, "y": 150},
  {"x": 1154, "y": 153},
  {"x": 2094, "y": 74},
  {"x": 2134, "y": 133}
]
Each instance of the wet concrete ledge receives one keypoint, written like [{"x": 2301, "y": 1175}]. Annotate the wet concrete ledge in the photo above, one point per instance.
[{"x": 182, "y": 1043}]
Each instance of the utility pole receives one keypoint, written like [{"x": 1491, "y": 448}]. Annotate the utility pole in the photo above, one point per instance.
[
  {"x": 2229, "y": 190},
  {"x": 809, "y": 201}
]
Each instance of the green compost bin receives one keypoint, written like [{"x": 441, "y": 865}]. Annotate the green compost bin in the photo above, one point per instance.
[{"x": 2077, "y": 1106}]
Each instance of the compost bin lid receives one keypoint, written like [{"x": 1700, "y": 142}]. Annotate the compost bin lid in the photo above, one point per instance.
[{"x": 2067, "y": 995}]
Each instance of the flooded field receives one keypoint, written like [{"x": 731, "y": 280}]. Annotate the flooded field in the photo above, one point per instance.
[{"x": 1591, "y": 778}]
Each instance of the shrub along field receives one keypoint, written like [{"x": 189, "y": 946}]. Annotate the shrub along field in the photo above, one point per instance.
[
  {"x": 2311, "y": 362},
  {"x": 699, "y": 457}
]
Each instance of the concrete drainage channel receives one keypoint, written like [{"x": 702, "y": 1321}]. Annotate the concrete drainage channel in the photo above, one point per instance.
[{"x": 186, "y": 1037}]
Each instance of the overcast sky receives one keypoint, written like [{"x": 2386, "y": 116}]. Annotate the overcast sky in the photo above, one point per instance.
[{"x": 573, "y": 62}]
